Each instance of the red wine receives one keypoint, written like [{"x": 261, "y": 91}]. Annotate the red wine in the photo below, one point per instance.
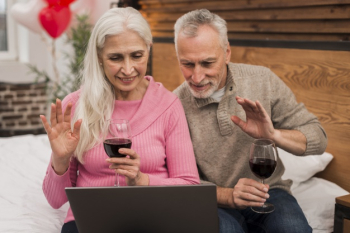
[
  {"x": 262, "y": 168},
  {"x": 113, "y": 145}
]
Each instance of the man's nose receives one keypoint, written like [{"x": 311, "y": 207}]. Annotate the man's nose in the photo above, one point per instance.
[{"x": 198, "y": 75}]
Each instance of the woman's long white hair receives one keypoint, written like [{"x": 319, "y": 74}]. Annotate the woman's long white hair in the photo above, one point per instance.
[{"x": 97, "y": 97}]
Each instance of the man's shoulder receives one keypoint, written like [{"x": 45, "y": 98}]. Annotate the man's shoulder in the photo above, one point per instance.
[
  {"x": 182, "y": 91},
  {"x": 240, "y": 69}
]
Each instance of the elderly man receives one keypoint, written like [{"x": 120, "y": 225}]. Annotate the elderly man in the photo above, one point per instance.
[{"x": 229, "y": 105}]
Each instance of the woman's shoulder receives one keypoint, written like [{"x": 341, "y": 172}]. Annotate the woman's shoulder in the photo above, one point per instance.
[
  {"x": 158, "y": 90},
  {"x": 72, "y": 97}
]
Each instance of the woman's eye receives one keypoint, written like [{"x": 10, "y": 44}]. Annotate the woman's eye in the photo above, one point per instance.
[
  {"x": 115, "y": 58},
  {"x": 137, "y": 56}
]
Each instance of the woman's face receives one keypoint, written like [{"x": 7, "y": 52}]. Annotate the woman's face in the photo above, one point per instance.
[{"x": 124, "y": 60}]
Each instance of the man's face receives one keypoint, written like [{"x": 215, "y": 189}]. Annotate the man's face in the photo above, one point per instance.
[{"x": 203, "y": 61}]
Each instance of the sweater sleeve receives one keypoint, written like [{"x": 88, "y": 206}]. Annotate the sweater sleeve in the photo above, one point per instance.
[
  {"x": 53, "y": 184},
  {"x": 287, "y": 113},
  {"x": 180, "y": 160}
]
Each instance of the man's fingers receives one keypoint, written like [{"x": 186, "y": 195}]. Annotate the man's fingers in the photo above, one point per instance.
[
  {"x": 261, "y": 109},
  {"x": 45, "y": 124},
  {"x": 247, "y": 105},
  {"x": 238, "y": 122}
]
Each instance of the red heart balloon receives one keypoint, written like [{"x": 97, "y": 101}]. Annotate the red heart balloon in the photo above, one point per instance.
[
  {"x": 59, "y": 2},
  {"x": 66, "y": 2},
  {"x": 53, "y": 2},
  {"x": 55, "y": 19}
]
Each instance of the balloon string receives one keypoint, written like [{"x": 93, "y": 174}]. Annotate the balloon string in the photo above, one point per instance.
[
  {"x": 54, "y": 65},
  {"x": 52, "y": 49}
]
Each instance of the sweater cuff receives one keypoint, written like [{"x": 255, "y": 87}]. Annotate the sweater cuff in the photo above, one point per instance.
[
  {"x": 316, "y": 141},
  {"x": 64, "y": 178}
]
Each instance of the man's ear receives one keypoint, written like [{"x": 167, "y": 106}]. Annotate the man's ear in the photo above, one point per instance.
[{"x": 228, "y": 53}]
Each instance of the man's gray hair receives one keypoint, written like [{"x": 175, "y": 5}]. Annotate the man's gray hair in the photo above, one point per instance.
[{"x": 189, "y": 23}]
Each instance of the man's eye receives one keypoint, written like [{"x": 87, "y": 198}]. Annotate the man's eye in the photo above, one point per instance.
[
  {"x": 187, "y": 64},
  {"x": 137, "y": 56},
  {"x": 206, "y": 64}
]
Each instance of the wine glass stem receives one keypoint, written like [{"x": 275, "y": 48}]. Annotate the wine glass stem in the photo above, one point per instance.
[
  {"x": 116, "y": 182},
  {"x": 264, "y": 205}
]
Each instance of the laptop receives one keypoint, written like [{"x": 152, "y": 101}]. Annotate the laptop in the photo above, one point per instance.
[{"x": 145, "y": 209}]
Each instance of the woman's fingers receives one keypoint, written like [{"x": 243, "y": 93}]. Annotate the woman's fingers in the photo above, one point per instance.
[
  {"x": 45, "y": 124},
  {"x": 130, "y": 152},
  {"x": 59, "y": 114},
  {"x": 76, "y": 129},
  {"x": 53, "y": 118},
  {"x": 67, "y": 113}
]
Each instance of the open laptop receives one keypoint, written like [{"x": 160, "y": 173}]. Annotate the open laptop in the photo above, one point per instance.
[{"x": 145, "y": 209}]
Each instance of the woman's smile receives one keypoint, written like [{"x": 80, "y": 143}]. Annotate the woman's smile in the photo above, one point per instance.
[{"x": 127, "y": 80}]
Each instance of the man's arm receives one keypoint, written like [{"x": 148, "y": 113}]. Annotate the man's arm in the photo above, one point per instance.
[
  {"x": 259, "y": 125},
  {"x": 292, "y": 141}
]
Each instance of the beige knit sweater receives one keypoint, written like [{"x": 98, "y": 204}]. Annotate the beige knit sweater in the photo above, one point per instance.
[{"x": 221, "y": 147}]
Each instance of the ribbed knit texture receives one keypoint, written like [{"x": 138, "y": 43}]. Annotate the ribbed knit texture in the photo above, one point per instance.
[
  {"x": 159, "y": 135},
  {"x": 222, "y": 148}
]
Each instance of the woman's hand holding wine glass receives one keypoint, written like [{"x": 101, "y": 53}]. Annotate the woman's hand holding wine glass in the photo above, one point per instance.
[
  {"x": 129, "y": 166},
  {"x": 125, "y": 161},
  {"x": 62, "y": 139}
]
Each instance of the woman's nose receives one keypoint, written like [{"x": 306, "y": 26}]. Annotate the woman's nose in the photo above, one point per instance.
[{"x": 128, "y": 67}]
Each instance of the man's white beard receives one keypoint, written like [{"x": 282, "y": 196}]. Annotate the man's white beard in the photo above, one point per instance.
[{"x": 204, "y": 94}]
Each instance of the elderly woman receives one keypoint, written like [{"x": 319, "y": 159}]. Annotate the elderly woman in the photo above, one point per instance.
[{"x": 115, "y": 86}]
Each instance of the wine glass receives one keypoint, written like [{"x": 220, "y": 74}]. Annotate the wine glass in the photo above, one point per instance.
[
  {"x": 262, "y": 161},
  {"x": 118, "y": 136}
]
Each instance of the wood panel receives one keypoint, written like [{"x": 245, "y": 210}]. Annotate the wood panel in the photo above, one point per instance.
[
  {"x": 319, "y": 79},
  {"x": 184, "y": 6},
  {"x": 326, "y": 20},
  {"x": 165, "y": 67},
  {"x": 271, "y": 36},
  {"x": 312, "y": 26},
  {"x": 318, "y": 12}
]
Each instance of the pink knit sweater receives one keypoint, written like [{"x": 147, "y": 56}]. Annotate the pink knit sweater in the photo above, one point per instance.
[{"x": 159, "y": 135}]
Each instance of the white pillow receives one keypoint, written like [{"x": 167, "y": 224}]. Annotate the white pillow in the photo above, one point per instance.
[{"x": 302, "y": 168}]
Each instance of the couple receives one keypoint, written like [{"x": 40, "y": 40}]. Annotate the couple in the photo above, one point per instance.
[{"x": 227, "y": 106}]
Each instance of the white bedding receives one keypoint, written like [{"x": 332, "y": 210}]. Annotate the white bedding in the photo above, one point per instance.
[{"x": 23, "y": 207}]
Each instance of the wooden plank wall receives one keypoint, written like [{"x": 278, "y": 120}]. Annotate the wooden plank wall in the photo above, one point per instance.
[
  {"x": 323, "y": 20},
  {"x": 319, "y": 79}
]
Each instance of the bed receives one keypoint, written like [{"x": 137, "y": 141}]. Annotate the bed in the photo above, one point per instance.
[
  {"x": 24, "y": 160},
  {"x": 320, "y": 79}
]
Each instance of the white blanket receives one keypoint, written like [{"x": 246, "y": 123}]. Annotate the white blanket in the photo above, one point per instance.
[{"x": 23, "y": 206}]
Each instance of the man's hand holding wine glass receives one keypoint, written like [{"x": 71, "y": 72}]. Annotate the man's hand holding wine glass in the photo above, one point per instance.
[{"x": 62, "y": 139}]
